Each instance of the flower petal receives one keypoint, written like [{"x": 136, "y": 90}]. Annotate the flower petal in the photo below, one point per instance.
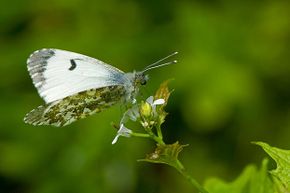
[
  {"x": 115, "y": 139},
  {"x": 133, "y": 113},
  {"x": 159, "y": 102},
  {"x": 150, "y": 100},
  {"x": 123, "y": 131}
]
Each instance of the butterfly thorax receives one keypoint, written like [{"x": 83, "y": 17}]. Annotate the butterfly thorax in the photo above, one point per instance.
[{"x": 134, "y": 81}]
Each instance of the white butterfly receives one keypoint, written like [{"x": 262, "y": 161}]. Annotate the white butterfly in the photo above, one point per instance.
[{"x": 75, "y": 86}]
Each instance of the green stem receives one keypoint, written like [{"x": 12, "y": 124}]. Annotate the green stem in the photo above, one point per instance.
[
  {"x": 159, "y": 132},
  {"x": 140, "y": 134},
  {"x": 152, "y": 135},
  {"x": 183, "y": 172},
  {"x": 158, "y": 140}
]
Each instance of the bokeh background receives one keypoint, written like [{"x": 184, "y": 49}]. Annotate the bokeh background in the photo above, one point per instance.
[{"x": 232, "y": 86}]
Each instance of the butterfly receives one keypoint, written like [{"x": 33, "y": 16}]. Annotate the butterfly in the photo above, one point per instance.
[{"x": 75, "y": 86}]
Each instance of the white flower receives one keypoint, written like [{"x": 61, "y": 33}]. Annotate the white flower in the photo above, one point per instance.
[
  {"x": 150, "y": 100},
  {"x": 132, "y": 114},
  {"x": 123, "y": 131}
]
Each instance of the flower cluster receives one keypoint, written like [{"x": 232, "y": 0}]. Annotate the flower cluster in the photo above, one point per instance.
[
  {"x": 148, "y": 111},
  {"x": 145, "y": 113},
  {"x": 150, "y": 114}
]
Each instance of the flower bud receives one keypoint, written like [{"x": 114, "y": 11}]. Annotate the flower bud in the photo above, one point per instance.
[{"x": 145, "y": 109}]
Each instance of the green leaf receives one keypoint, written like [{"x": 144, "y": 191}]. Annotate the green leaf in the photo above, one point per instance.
[
  {"x": 163, "y": 91},
  {"x": 166, "y": 154},
  {"x": 282, "y": 172},
  {"x": 251, "y": 180}
]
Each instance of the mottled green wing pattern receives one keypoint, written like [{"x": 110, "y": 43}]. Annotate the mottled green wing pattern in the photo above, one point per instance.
[{"x": 75, "y": 107}]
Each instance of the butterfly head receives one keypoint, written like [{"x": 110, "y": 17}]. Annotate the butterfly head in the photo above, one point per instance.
[
  {"x": 141, "y": 78},
  {"x": 136, "y": 79}
]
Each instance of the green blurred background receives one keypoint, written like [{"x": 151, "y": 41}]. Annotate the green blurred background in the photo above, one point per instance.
[{"x": 232, "y": 86}]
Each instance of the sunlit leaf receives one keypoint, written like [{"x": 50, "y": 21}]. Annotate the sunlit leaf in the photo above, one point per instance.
[
  {"x": 282, "y": 158},
  {"x": 165, "y": 154},
  {"x": 251, "y": 180},
  {"x": 163, "y": 91}
]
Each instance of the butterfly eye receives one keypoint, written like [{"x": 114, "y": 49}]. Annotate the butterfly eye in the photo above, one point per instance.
[
  {"x": 141, "y": 79},
  {"x": 143, "y": 82}
]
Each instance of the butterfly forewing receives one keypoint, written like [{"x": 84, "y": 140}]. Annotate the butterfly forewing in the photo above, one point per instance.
[
  {"x": 58, "y": 74},
  {"x": 75, "y": 107}
]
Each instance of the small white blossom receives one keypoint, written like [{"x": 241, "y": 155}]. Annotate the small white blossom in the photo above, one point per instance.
[
  {"x": 123, "y": 131},
  {"x": 150, "y": 100},
  {"x": 132, "y": 114}
]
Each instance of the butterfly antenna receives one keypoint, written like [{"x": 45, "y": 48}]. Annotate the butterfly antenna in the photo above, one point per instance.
[
  {"x": 157, "y": 64},
  {"x": 160, "y": 65}
]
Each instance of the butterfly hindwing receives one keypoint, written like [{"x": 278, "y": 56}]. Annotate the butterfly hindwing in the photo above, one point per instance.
[
  {"x": 75, "y": 107},
  {"x": 58, "y": 74}
]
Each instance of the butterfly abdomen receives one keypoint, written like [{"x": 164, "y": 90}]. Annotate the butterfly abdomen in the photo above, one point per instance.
[{"x": 75, "y": 107}]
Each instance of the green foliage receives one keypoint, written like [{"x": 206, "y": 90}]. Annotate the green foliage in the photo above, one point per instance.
[
  {"x": 252, "y": 180},
  {"x": 166, "y": 154},
  {"x": 282, "y": 158}
]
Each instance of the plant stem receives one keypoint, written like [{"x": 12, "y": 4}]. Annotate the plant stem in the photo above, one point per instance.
[
  {"x": 183, "y": 172},
  {"x": 140, "y": 134},
  {"x": 159, "y": 132},
  {"x": 156, "y": 138}
]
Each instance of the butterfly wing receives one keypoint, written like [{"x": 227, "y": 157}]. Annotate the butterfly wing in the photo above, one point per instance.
[
  {"x": 58, "y": 74},
  {"x": 75, "y": 107}
]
